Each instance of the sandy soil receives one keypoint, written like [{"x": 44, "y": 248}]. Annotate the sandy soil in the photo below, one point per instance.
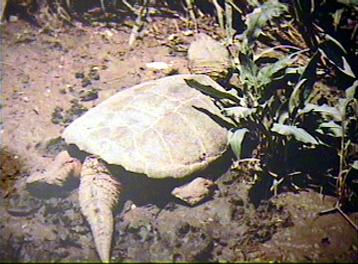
[{"x": 50, "y": 78}]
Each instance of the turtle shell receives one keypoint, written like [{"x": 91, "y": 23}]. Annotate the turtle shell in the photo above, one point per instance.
[{"x": 159, "y": 128}]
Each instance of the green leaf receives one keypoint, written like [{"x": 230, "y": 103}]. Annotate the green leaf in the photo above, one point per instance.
[
  {"x": 335, "y": 52},
  {"x": 257, "y": 19},
  {"x": 298, "y": 133},
  {"x": 347, "y": 68},
  {"x": 304, "y": 87},
  {"x": 237, "y": 8},
  {"x": 253, "y": 2},
  {"x": 270, "y": 53},
  {"x": 309, "y": 73},
  {"x": 236, "y": 139},
  {"x": 303, "y": 10},
  {"x": 343, "y": 104},
  {"x": 296, "y": 98},
  {"x": 283, "y": 117},
  {"x": 310, "y": 70},
  {"x": 239, "y": 112},
  {"x": 349, "y": 2},
  {"x": 268, "y": 72},
  {"x": 208, "y": 89},
  {"x": 337, "y": 17},
  {"x": 294, "y": 70},
  {"x": 325, "y": 110},
  {"x": 248, "y": 70},
  {"x": 355, "y": 165},
  {"x": 331, "y": 40},
  {"x": 351, "y": 91},
  {"x": 330, "y": 128}
]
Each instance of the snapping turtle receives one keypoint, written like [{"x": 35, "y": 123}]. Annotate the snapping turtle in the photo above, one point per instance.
[
  {"x": 159, "y": 128},
  {"x": 208, "y": 56}
]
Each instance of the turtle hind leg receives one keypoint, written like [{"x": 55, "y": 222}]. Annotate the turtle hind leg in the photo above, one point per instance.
[
  {"x": 58, "y": 178},
  {"x": 98, "y": 194}
]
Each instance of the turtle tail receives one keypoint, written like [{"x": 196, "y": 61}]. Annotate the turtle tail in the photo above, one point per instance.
[{"x": 98, "y": 194}]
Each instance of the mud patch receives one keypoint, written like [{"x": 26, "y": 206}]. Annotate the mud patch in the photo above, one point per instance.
[
  {"x": 11, "y": 168},
  {"x": 313, "y": 237},
  {"x": 65, "y": 117},
  {"x": 226, "y": 228},
  {"x": 51, "y": 147}
]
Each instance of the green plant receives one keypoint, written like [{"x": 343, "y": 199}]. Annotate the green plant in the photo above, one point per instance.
[{"x": 273, "y": 106}]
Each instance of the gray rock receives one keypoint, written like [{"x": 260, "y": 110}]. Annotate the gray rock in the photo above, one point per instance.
[{"x": 195, "y": 191}]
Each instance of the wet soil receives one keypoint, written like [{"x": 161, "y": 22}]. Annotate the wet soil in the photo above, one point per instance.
[{"x": 50, "y": 78}]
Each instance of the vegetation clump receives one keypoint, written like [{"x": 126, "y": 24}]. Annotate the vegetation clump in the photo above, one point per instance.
[{"x": 300, "y": 140}]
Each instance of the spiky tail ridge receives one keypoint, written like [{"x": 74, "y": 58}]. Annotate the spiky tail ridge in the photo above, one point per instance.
[{"x": 98, "y": 194}]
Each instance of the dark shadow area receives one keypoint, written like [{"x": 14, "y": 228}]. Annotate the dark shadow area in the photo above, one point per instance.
[
  {"x": 143, "y": 190},
  {"x": 46, "y": 191},
  {"x": 219, "y": 120},
  {"x": 21, "y": 203},
  {"x": 24, "y": 12},
  {"x": 315, "y": 169},
  {"x": 260, "y": 191},
  {"x": 115, "y": 11}
]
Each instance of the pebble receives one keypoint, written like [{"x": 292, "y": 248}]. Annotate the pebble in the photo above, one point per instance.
[
  {"x": 13, "y": 18},
  {"x": 157, "y": 65},
  {"x": 188, "y": 32},
  {"x": 172, "y": 37}
]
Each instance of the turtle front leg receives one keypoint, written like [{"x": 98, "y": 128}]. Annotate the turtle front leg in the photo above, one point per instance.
[
  {"x": 56, "y": 176},
  {"x": 98, "y": 194}
]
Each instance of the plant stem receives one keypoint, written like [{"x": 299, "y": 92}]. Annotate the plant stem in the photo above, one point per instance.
[
  {"x": 139, "y": 23},
  {"x": 219, "y": 12},
  {"x": 189, "y": 4},
  {"x": 341, "y": 178},
  {"x": 228, "y": 18}
]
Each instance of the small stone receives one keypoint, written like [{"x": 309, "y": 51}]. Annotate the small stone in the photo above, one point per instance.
[
  {"x": 195, "y": 191},
  {"x": 85, "y": 82},
  {"x": 157, "y": 65},
  {"x": 188, "y": 32},
  {"x": 13, "y": 18},
  {"x": 88, "y": 95},
  {"x": 48, "y": 235},
  {"x": 95, "y": 68},
  {"x": 108, "y": 33},
  {"x": 210, "y": 57},
  {"x": 79, "y": 75},
  {"x": 94, "y": 75},
  {"x": 62, "y": 91},
  {"x": 172, "y": 37}
]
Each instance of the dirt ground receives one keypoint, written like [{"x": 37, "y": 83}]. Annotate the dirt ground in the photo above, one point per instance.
[{"x": 48, "y": 79}]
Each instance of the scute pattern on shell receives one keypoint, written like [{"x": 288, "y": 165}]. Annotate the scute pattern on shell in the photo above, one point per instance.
[{"x": 155, "y": 128}]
